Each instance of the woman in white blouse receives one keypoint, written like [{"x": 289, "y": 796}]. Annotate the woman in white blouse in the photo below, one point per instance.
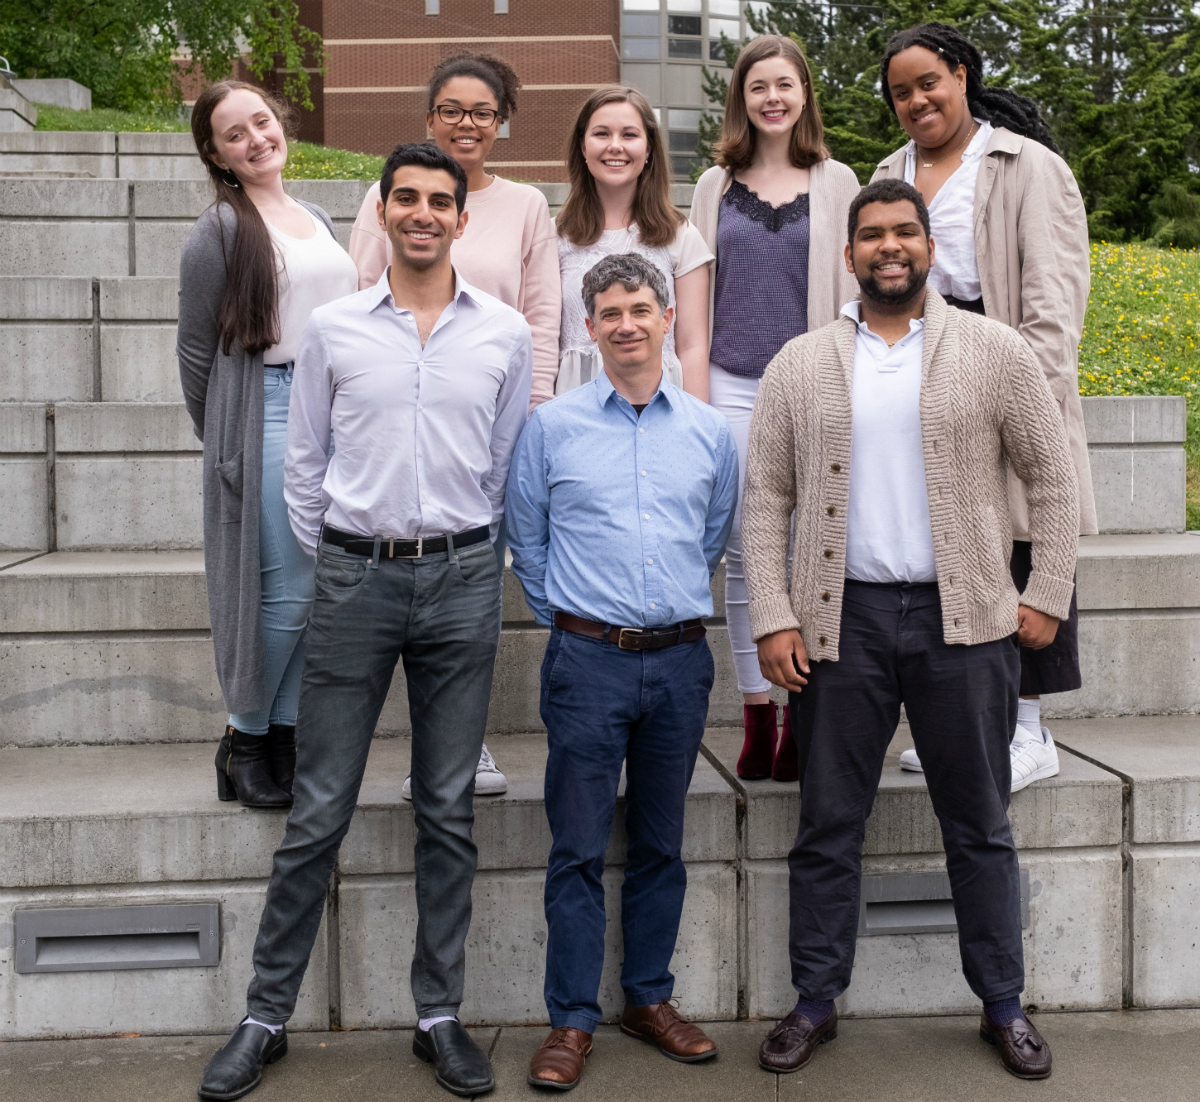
[
  {"x": 255, "y": 266},
  {"x": 620, "y": 202}
]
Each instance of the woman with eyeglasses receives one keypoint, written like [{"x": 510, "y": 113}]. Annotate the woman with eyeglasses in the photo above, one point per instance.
[{"x": 508, "y": 248}]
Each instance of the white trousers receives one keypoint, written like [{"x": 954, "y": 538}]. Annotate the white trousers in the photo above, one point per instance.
[{"x": 734, "y": 396}]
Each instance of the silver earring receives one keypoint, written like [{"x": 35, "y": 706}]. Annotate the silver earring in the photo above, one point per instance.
[{"x": 230, "y": 178}]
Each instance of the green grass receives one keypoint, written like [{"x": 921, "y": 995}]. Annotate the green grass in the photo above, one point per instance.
[
  {"x": 306, "y": 161},
  {"x": 1143, "y": 325}
]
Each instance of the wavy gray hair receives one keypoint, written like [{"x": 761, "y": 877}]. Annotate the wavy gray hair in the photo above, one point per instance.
[{"x": 631, "y": 271}]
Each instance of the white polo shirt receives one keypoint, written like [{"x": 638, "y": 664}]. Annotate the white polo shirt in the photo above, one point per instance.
[{"x": 888, "y": 534}]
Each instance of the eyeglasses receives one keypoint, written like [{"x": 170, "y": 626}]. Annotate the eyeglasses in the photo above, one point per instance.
[{"x": 480, "y": 116}]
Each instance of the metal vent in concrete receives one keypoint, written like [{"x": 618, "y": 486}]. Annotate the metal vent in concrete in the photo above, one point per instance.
[
  {"x": 96, "y": 939},
  {"x": 914, "y": 903}
]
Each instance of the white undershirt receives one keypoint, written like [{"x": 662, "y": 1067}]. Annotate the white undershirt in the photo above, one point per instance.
[
  {"x": 888, "y": 535},
  {"x": 313, "y": 271},
  {"x": 952, "y": 220}
]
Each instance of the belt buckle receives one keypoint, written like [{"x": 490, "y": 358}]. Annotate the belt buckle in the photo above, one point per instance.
[
  {"x": 633, "y": 633},
  {"x": 420, "y": 542}
]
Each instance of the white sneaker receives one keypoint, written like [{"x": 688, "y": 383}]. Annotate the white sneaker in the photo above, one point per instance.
[
  {"x": 489, "y": 781},
  {"x": 910, "y": 761},
  {"x": 1033, "y": 757}
]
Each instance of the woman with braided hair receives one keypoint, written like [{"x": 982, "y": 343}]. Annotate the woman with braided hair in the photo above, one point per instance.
[{"x": 1012, "y": 243}]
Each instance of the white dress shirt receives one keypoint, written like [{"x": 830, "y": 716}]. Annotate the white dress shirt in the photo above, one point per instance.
[
  {"x": 424, "y": 436},
  {"x": 952, "y": 220},
  {"x": 888, "y": 534}
]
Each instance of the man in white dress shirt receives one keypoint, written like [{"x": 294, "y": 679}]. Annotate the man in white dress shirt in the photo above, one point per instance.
[{"x": 424, "y": 382}]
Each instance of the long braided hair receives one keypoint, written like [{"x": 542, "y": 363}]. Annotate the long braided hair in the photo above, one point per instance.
[{"x": 999, "y": 106}]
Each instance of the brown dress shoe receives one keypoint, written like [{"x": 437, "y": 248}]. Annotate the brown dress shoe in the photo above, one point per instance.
[
  {"x": 663, "y": 1026},
  {"x": 559, "y": 1062},
  {"x": 791, "y": 1044},
  {"x": 1022, "y": 1048}
]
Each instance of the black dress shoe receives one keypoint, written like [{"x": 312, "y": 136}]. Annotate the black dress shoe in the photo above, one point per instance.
[
  {"x": 791, "y": 1044},
  {"x": 281, "y": 745},
  {"x": 459, "y": 1064},
  {"x": 1022, "y": 1049},
  {"x": 244, "y": 771},
  {"x": 238, "y": 1066}
]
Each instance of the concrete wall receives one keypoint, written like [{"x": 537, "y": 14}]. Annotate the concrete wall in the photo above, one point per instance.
[
  {"x": 59, "y": 91},
  {"x": 17, "y": 114}
]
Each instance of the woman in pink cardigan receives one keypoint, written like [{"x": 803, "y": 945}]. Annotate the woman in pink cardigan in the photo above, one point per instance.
[{"x": 509, "y": 248}]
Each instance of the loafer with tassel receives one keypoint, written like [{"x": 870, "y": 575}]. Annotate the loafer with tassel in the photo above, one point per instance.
[
  {"x": 1023, "y": 1050},
  {"x": 672, "y": 1034},
  {"x": 791, "y": 1044},
  {"x": 237, "y": 1068}
]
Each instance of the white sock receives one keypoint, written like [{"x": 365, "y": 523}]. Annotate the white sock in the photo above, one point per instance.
[
  {"x": 426, "y": 1024},
  {"x": 272, "y": 1029},
  {"x": 1029, "y": 715}
]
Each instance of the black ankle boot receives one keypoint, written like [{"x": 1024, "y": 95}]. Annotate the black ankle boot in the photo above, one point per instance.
[
  {"x": 237, "y": 1067},
  {"x": 244, "y": 771},
  {"x": 281, "y": 745}
]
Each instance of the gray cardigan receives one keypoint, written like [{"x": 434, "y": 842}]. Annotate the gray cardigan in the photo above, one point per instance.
[{"x": 224, "y": 396}]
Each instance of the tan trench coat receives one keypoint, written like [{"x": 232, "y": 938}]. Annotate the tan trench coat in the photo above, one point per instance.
[{"x": 1031, "y": 244}]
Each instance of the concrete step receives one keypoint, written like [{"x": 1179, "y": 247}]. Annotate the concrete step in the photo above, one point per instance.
[
  {"x": 113, "y": 647},
  {"x": 131, "y": 155},
  {"x": 111, "y": 826}
]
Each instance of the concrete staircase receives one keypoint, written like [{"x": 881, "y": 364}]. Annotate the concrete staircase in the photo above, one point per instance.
[{"x": 109, "y": 707}]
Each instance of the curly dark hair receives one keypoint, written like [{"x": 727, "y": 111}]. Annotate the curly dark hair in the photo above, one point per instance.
[
  {"x": 999, "y": 106},
  {"x": 498, "y": 75}
]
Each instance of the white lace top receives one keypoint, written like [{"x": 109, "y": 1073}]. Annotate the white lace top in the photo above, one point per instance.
[{"x": 579, "y": 359}]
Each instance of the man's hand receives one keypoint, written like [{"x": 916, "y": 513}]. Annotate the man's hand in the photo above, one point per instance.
[
  {"x": 1034, "y": 629},
  {"x": 782, "y": 658}
]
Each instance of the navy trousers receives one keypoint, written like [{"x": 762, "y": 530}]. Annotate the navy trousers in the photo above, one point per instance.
[
  {"x": 602, "y": 707},
  {"x": 961, "y": 704}
]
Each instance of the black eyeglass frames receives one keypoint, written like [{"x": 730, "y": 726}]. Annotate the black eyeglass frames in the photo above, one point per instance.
[{"x": 480, "y": 116}]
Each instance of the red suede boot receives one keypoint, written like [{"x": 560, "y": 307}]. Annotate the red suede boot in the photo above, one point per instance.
[
  {"x": 758, "y": 750},
  {"x": 786, "y": 767}
]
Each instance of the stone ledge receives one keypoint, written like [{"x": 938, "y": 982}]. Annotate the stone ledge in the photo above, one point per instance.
[
  {"x": 1079, "y": 807},
  {"x": 1139, "y": 571},
  {"x": 126, "y": 427},
  {"x": 1135, "y": 419}
]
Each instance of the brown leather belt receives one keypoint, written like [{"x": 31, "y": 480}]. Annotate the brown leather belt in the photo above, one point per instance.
[{"x": 633, "y": 638}]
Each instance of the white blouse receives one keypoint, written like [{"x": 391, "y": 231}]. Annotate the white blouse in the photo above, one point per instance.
[
  {"x": 312, "y": 271},
  {"x": 952, "y": 220},
  {"x": 579, "y": 358}
]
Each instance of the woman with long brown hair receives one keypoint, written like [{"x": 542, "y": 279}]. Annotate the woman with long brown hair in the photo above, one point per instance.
[
  {"x": 620, "y": 202},
  {"x": 254, "y": 267},
  {"x": 773, "y": 211}
]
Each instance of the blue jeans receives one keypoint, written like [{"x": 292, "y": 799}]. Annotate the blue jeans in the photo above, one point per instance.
[
  {"x": 441, "y": 615},
  {"x": 603, "y": 706},
  {"x": 286, "y": 572}
]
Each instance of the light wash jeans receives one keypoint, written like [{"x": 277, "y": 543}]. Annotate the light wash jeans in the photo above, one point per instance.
[{"x": 286, "y": 572}]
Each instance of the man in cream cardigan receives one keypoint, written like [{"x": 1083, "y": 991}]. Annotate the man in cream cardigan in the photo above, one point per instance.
[{"x": 888, "y": 434}]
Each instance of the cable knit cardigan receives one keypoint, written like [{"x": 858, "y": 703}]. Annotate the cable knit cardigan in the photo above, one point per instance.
[{"x": 984, "y": 404}]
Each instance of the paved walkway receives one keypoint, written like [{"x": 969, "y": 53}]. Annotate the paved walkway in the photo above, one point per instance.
[{"x": 1138, "y": 1056}]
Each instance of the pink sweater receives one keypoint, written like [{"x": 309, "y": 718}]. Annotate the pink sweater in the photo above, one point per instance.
[{"x": 509, "y": 249}]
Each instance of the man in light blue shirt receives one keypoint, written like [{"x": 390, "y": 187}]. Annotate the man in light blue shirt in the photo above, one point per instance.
[{"x": 620, "y": 499}]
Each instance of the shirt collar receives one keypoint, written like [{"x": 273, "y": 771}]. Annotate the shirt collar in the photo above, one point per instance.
[
  {"x": 853, "y": 310},
  {"x": 382, "y": 291},
  {"x": 605, "y": 390},
  {"x": 975, "y": 149}
]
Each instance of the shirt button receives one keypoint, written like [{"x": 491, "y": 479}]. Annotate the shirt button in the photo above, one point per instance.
[
  {"x": 420, "y": 455},
  {"x": 832, "y": 510},
  {"x": 421, "y": 408},
  {"x": 420, "y": 363},
  {"x": 640, "y": 429},
  {"x": 643, "y": 474},
  {"x": 650, "y": 561},
  {"x": 653, "y": 605},
  {"x": 646, "y": 516}
]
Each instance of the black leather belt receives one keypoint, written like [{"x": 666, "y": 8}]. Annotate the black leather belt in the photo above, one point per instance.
[
  {"x": 400, "y": 548},
  {"x": 633, "y": 638}
]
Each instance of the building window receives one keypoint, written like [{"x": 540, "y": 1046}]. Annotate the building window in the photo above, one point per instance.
[
  {"x": 684, "y": 5},
  {"x": 639, "y": 48},
  {"x": 684, "y": 47},
  {"x": 731, "y": 28},
  {"x": 683, "y": 24},
  {"x": 640, "y": 24},
  {"x": 640, "y": 5},
  {"x": 686, "y": 119},
  {"x": 501, "y": 8},
  {"x": 724, "y": 7},
  {"x": 433, "y": 7},
  {"x": 503, "y": 131}
]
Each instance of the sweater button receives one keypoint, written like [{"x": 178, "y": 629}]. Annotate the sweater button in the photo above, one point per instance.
[
  {"x": 832, "y": 510},
  {"x": 828, "y": 553},
  {"x": 825, "y": 596},
  {"x": 836, "y": 468},
  {"x": 956, "y": 623},
  {"x": 822, "y": 640}
]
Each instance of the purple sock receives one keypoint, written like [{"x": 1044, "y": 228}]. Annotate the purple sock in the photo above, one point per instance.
[
  {"x": 1003, "y": 1011},
  {"x": 814, "y": 1010}
]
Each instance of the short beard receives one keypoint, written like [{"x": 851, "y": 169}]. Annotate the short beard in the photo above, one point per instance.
[{"x": 899, "y": 298}]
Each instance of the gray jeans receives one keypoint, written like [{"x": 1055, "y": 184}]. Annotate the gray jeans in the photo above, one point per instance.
[{"x": 441, "y": 615}]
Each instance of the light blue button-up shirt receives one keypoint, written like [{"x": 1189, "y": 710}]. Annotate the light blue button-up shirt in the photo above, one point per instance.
[{"x": 617, "y": 518}]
